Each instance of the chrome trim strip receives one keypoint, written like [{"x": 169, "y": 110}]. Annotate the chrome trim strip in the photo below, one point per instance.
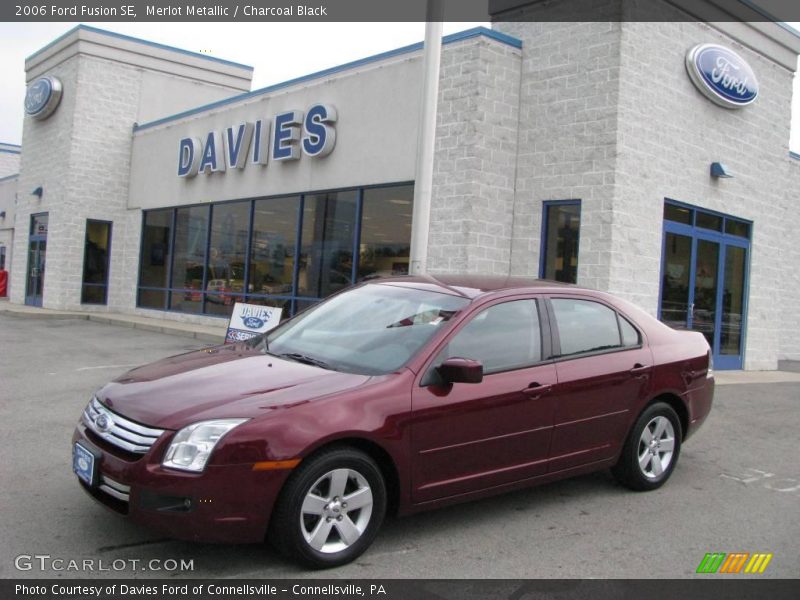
[
  {"x": 123, "y": 432},
  {"x": 115, "y": 489}
]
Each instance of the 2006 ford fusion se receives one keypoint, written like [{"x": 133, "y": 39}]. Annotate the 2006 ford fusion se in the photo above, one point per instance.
[{"x": 395, "y": 396}]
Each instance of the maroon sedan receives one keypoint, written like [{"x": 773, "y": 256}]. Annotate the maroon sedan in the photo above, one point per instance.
[{"x": 397, "y": 395}]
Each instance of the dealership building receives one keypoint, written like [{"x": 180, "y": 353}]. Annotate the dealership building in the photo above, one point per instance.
[{"x": 648, "y": 159}]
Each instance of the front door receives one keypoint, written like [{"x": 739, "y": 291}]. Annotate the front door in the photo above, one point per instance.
[
  {"x": 37, "y": 254},
  {"x": 704, "y": 281},
  {"x": 472, "y": 436}
]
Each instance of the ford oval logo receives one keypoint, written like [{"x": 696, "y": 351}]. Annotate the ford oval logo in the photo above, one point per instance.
[
  {"x": 721, "y": 75},
  {"x": 43, "y": 97},
  {"x": 253, "y": 322},
  {"x": 103, "y": 423}
]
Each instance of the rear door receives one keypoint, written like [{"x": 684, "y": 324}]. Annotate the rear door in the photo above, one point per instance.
[
  {"x": 468, "y": 437},
  {"x": 603, "y": 369}
]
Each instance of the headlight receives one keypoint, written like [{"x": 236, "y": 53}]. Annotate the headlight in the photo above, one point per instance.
[{"x": 192, "y": 446}]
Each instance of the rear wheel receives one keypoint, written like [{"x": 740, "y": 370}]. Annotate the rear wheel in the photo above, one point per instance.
[
  {"x": 651, "y": 450},
  {"x": 330, "y": 509}
]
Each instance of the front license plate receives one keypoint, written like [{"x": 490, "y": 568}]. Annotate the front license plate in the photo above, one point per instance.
[{"x": 83, "y": 464}]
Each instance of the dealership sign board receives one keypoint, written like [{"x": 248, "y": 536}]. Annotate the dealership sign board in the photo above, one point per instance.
[
  {"x": 721, "y": 75},
  {"x": 249, "y": 320},
  {"x": 282, "y": 138}
]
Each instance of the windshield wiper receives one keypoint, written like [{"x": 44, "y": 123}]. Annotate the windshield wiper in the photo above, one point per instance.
[{"x": 309, "y": 360}]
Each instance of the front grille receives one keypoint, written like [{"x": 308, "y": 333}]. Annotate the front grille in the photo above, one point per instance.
[
  {"x": 114, "y": 488},
  {"x": 119, "y": 431}
]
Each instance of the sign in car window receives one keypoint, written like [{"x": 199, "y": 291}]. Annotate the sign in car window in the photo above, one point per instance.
[{"x": 250, "y": 320}]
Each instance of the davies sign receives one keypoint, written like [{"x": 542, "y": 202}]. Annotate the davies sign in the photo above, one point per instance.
[
  {"x": 282, "y": 138},
  {"x": 722, "y": 75}
]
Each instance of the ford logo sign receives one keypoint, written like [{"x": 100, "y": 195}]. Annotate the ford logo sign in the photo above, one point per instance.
[
  {"x": 43, "y": 97},
  {"x": 721, "y": 75},
  {"x": 253, "y": 322}
]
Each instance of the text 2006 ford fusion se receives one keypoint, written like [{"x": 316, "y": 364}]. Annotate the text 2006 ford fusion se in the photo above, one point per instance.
[{"x": 395, "y": 396}]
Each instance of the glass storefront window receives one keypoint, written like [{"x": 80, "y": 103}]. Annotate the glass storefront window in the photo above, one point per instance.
[
  {"x": 39, "y": 224},
  {"x": 737, "y": 228},
  {"x": 155, "y": 258},
  {"x": 326, "y": 252},
  {"x": 733, "y": 300},
  {"x": 385, "y": 246},
  {"x": 301, "y": 249},
  {"x": 562, "y": 222},
  {"x": 678, "y": 214},
  {"x": 227, "y": 252},
  {"x": 95, "y": 262},
  {"x": 189, "y": 258},
  {"x": 272, "y": 248},
  {"x": 708, "y": 221}
]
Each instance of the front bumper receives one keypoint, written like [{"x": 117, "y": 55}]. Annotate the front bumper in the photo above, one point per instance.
[{"x": 229, "y": 504}]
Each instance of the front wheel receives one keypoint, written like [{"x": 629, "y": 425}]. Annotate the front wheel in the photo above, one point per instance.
[
  {"x": 651, "y": 450},
  {"x": 330, "y": 509}
]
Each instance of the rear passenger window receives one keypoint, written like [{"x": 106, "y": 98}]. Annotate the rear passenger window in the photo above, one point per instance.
[
  {"x": 586, "y": 326},
  {"x": 502, "y": 337},
  {"x": 630, "y": 337}
]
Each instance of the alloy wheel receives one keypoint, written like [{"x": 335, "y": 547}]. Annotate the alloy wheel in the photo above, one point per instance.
[
  {"x": 656, "y": 447},
  {"x": 336, "y": 511}
]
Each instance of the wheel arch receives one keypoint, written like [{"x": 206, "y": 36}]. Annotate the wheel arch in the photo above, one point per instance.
[
  {"x": 381, "y": 457},
  {"x": 677, "y": 404}
]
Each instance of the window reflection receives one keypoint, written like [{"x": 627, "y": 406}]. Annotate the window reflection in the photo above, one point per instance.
[
  {"x": 273, "y": 246},
  {"x": 155, "y": 258},
  {"x": 326, "y": 255},
  {"x": 733, "y": 300},
  {"x": 562, "y": 235},
  {"x": 189, "y": 254},
  {"x": 95, "y": 262},
  {"x": 230, "y": 227},
  {"x": 195, "y": 258},
  {"x": 385, "y": 242}
]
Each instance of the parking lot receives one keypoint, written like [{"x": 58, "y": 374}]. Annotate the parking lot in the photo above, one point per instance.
[{"x": 736, "y": 489}]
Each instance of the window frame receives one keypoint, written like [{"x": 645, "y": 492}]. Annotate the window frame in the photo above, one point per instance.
[
  {"x": 725, "y": 220},
  {"x": 556, "y": 334}
]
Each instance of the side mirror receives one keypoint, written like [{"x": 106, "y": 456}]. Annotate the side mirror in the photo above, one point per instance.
[{"x": 461, "y": 370}]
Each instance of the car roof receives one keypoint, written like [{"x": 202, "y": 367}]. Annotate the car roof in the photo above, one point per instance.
[{"x": 473, "y": 286}]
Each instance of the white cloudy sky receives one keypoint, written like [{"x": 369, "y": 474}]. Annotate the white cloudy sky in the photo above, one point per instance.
[{"x": 278, "y": 52}]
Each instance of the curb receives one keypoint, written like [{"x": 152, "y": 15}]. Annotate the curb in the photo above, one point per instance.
[{"x": 203, "y": 336}]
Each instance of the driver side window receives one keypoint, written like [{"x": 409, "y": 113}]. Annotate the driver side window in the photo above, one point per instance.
[{"x": 502, "y": 337}]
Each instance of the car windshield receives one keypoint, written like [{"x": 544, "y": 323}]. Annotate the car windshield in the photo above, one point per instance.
[{"x": 372, "y": 329}]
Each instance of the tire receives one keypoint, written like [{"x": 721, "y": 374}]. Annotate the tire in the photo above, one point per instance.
[
  {"x": 330, "y": 509},
  {"x": 647, "y": 459}
]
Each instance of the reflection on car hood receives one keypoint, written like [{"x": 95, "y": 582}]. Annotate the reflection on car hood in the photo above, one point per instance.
[{"x": 221, "y": 382}]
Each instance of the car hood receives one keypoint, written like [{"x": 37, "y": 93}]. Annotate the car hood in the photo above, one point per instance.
[{"x": 222, "y": 382}]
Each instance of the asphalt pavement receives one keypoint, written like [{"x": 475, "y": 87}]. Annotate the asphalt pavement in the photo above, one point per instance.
[{"x": 735, "y": 489}]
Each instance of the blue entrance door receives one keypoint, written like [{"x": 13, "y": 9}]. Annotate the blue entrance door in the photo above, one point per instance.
[{"x": 704, "y": 284}]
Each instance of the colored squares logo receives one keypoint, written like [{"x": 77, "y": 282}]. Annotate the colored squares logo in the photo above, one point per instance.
[{"x": 735, "y": 562}]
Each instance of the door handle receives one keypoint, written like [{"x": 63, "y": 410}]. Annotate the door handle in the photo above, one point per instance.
[
  {"x": 639, "y": 370},
  {"x": 536, "y": 389}
]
